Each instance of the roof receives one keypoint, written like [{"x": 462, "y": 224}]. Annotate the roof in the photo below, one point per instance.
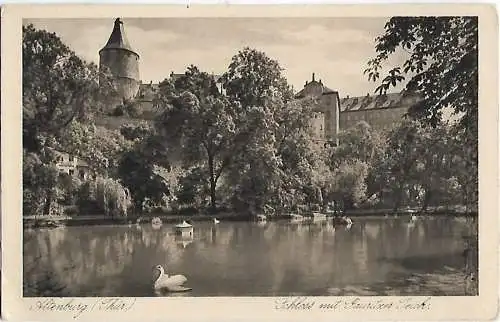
[
  {"x": 314, "y": 88},
  {"x": 118, "y": 39},
  {"x": 370, "y": 102},
  {"x": 176, "y": 76}
]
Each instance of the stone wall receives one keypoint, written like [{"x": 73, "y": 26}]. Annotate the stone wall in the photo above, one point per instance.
[
  {"x": 380, "y": 119},
  {"x": 331, "y": 109},
  {"x": 124, "y": 65}
]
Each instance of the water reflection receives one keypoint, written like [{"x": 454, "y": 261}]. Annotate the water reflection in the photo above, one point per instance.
[{"x": 243, "y": 259}]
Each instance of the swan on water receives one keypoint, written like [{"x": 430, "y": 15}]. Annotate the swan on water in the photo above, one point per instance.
[
  {"x": 216, "y": 221},
  {"x": 170, "y": 283}
]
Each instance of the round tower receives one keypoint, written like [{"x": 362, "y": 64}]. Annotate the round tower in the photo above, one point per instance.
[{"x": 122, "y": 62}]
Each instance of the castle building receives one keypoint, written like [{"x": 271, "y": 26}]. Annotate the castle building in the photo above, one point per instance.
[
  {"x": 332, "y": 114},
  {"x": 326, "y": 110},
  {"x": 122, "y": 62}
]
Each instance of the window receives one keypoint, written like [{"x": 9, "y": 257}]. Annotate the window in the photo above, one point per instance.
[{"x": 71, "y": 172}]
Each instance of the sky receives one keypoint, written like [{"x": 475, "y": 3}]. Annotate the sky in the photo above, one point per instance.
[{"x": 335, "y": 49}]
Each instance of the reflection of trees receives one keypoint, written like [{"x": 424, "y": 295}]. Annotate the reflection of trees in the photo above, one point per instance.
[
  {"x": 236, "y": 258},
  {"x": 88, "y": 263}
]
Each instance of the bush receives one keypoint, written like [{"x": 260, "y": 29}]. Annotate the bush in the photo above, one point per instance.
[
  {"x": 118, "y": 111},
  {"x": 70, "y": 186}
]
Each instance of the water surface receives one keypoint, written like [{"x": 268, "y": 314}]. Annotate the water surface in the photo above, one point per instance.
[{"x": 376, "y": 256}]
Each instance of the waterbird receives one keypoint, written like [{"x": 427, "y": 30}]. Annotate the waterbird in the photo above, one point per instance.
[
  {"x": 156, "y": 223},
  {"x": 170, "y": 283},
  {"x": 216, "y": 221}
]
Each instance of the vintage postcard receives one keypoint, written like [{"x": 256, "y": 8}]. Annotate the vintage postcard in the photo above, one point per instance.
[{"x": 282, "y": 163}]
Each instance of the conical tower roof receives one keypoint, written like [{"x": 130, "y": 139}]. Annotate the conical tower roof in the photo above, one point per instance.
[{"x": 118, "y": 39}]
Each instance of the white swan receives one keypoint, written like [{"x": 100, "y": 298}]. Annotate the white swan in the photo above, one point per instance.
[
  {"x": 170, "y": 283},
  {"x": 216, "y": 221}
]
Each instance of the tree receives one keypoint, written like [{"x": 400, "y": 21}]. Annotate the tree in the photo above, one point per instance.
[
  {"x": 194, "y": 187},
  {"x": 442, "y": 67},
  {"x": 442, "y": 64},
  {"x": 102, "y": 148},
  {"x": 199, "y": 121},
  {"x": 360, "y": 142},
  {"x": 417, "y": 166},
  {"x": 58, "y": 87},
  {"x": 350, "y": 182},
  {"x": 252, "y": 77},
  {"x": 40, "y": 189},
  {"x": 136, "y": 132},
  {"x": 107, "y": 195},
  {"x": 273, "y": 151},
  {"x": 138, "y": 173}
]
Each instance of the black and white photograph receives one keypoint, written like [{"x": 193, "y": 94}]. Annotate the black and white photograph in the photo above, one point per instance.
[
  {"x": 243, "y": 157},
  {"x": 250, "y": 156}
]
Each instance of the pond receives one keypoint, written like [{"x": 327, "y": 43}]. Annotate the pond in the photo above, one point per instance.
[{"x": 375, "y": 256}]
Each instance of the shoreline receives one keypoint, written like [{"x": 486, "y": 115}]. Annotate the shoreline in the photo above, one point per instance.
[{"x": 39, "y": 222}]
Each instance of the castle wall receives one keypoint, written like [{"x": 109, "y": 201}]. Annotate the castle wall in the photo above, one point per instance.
[
  {"x": 318, "y": 125},
  {"x": 331, "y": 110},
  {"x": 124, "y": 65},
  {"x": 379, "y": 119}
]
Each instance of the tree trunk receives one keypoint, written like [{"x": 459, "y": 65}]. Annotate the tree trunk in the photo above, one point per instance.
[
  {"x": 427, "y": 198},
  {"x": 399, "y": 197},
  {"x": 213, "y": 182},
  {"x": 48, "y": 204}
]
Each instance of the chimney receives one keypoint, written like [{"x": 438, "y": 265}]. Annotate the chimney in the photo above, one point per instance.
[
  {"x": 347, "y": 97},
  {"x": 306, "y": 83},
  {"x": 313, "y": 77},
  {"x": 320, "y": 82}
]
